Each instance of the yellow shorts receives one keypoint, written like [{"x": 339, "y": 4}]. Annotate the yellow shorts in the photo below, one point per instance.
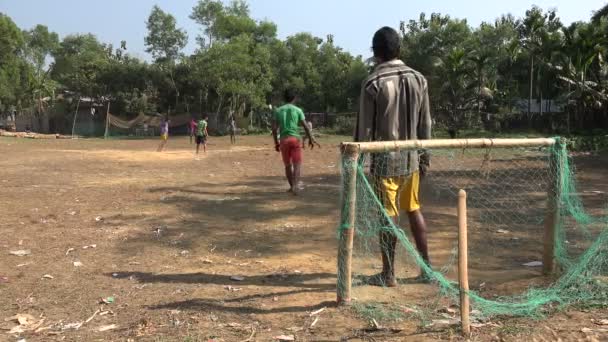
[
  {"x": 399, "y": 193},
  {"x": 164, "y": 137}
]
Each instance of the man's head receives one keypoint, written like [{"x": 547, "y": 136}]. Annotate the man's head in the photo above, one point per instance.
[
  {"x": 206, "y": 117},
  {"x": 290, "y": 96},
  {"x": 386, "y": 44}
]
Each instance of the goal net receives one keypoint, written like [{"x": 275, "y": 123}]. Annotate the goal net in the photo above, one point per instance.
[{"x": 525, "y": 216}]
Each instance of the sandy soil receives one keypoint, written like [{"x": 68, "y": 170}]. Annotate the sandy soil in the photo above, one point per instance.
[{"x": 171, "y": 233}]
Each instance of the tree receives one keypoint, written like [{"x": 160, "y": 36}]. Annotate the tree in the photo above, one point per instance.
[
  {"x": 11, "y": 66},
  {"x": 535, "y": 29},
  {"x": 39, "y": 45},
  {"x": 79, "y": 60},
  {"x": 165, "y": 42}
]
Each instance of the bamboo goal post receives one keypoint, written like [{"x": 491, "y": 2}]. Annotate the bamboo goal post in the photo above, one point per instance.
[
  {"x": 463, "y": 263},
  {"x": 347, "y": 225},
  {"x": 351, "y": 151}
]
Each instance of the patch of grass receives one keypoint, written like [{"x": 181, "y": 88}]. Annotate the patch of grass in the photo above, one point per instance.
[
  {"x": 513, "y": 330},
  {"x": 381, "y": 312}
]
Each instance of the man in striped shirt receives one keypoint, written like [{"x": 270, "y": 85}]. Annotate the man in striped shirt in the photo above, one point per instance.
[{"x": 395, "y": 106}]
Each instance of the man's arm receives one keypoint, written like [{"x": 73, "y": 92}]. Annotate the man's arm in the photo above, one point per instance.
[
  {"x": 367, "y": 106},
  {"x": 424, "y": 130},
  {"x": 424, "y": 121}
]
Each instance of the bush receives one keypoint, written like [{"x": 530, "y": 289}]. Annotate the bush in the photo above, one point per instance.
[
  {"x": 588, "y": 143},
  {"x": 345, "y": 125}
]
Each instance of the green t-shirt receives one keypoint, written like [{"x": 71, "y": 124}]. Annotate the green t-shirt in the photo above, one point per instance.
[
  {"x": 200, "y": 128},
  {"x": 288, "y": 117}
]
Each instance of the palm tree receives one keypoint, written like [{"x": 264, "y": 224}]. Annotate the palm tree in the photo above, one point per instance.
[
  {"x": 582, "y": 69},
  {"x": 534, "y": 30}
]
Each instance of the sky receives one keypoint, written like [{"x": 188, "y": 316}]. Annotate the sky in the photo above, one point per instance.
[{"x": 352, "y": 22}]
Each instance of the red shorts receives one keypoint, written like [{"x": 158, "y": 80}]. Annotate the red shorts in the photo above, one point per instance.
[{"x": 291, "y": 150}]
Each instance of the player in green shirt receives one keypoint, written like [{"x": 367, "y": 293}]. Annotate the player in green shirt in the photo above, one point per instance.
[
  {"x": 202, "y": 134},
  {"x": 286, "y": 122}
]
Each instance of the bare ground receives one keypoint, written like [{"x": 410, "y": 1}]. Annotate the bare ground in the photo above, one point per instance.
[{"x": 170, "y": 232}]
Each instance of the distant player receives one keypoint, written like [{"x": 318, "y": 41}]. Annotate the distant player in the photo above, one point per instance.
[
  {"x": 201, "y": 134},
  {"x": 286, "y": 122},
  {"x": 164, "y": 134},
  {"x": 192, "y": 129},
  {"x": 232, "y": 129}
]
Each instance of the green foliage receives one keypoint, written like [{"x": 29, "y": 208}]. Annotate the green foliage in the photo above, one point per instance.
[
  {"x": 345, "y": 125},
  {"x": 11, "y": 66},
  {"x": 164, "y": 40},
  {"x": 241, "y": 66},
  {"x": 79, "y": 60}
]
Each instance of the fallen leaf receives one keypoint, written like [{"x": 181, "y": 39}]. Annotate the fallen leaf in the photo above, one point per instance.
[
  {"x": 450, "y": 310},
  {"x": 21, "y": 252},
  {"x": 232, "y": 289},
  {"x": 107, "y": 327},
  {"x": 16, "y": 330},
  {"x": 25, "y": 264},
  {"x": 48, "y": 276},
  {"x": 207, "y": 261},
  {"x": 237, "y": 278},
  {"x": 71, "y": 326},
  {"x": 69, "y": 250},
  {"x": 99, "y": 219},
  {"x": 600, "y": 321},
  {"x": 285, "y": 338},
  {"x": 295, "y": 329},
  {"x": 317, "y": 312},
  {"x": 77, "y": 264},
  {"x": 312, "y": 325},
  {"x": 89, "y": 246},
  {"x": 503, "y": 231},
  {"x": 107, "y": 300},
  {"x": 533, "y": 264}
]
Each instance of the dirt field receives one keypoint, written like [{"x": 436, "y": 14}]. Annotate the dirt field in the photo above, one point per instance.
[{"x": 213, "y": 249}]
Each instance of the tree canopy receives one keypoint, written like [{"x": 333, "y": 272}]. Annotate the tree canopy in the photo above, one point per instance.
[{"x": 478, "y": 76}]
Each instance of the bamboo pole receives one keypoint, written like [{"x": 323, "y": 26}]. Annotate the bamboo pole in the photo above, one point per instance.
[
  {"x": 556, "y": 165},
  {"x": 384, "y": 146},
  {"x": 463, "y": 263},
  {"x": 347, "y": 230},
  {"x": 75, "y": 116},
  {"x": 107, "y": 132}
]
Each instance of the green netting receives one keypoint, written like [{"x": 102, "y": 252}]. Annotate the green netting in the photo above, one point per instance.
[{"x": 507, "y": 190}]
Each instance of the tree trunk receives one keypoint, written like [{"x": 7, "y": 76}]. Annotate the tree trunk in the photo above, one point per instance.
[
  {"x": 200, "y": 102},
  {"x": 531, "y": 88}
]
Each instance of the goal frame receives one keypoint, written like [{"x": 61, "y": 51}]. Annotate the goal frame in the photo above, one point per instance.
[{"x": 350, "y": 151}]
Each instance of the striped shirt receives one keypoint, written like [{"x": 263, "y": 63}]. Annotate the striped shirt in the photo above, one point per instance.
[{"x": 394, "y": 106}]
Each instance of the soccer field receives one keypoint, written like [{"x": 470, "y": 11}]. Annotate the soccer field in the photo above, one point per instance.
[{"x": 215, "y": 249}]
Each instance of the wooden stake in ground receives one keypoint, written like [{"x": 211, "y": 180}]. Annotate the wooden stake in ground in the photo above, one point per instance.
[
  {"x": 347, "y": 230},
  {"x": 463, "y": 263}
]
